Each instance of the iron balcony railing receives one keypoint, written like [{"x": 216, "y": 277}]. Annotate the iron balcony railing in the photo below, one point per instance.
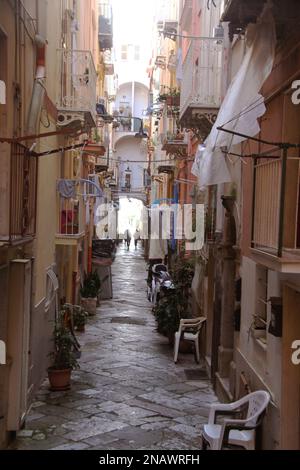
[
  {"x": 127, "y": 124},
  {"x": 202, "y": 76},
  {"x": 276, "y": 204},
  {"x": 71, "y": 210},
  {"x": 77, "y": 82},
  {"x": 18, "y": 221}
]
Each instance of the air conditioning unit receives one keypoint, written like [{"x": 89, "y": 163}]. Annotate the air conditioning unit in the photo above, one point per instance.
[{"x": 219, "y": 32}]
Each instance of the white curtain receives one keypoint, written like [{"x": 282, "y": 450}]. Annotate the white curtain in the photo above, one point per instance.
[{"x": 242, "y": 105}]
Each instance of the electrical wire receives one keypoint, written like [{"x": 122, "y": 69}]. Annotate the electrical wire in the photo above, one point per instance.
[
  {"x": 184, "y": 36},
  {"x": 152, "y": 162},
  {"x": 247, "y": 110}
]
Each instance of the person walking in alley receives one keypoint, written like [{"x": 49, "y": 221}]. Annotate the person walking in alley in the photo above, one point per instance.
[
  {"x": 136, "y": 237},
  {"x": 127, "y": 237}
]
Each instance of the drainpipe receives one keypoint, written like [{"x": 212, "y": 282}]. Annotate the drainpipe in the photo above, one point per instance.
[{"x": 38, "y": 91}]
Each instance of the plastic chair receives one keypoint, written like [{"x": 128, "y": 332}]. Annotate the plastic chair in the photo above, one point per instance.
[
  {"x": 235, "y": 432},
  {"x": 189, "y": 330}
]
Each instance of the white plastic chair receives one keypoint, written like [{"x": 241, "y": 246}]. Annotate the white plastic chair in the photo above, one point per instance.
[
  {"x": 235, "y": 432},
  {"x": 189, "y": 330}
]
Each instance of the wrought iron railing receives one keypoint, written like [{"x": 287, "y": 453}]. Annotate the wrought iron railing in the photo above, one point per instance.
[
  {"x": 267, "y": 203},
  {"x": 127, "y": 124},
  {"x": 22, "y": 190},
  {"x": 202, "y": 75},
  {"x": 77, "y": 82},
  {"x": 276, "y": 204},
  {"x": 71, "y": 213}
]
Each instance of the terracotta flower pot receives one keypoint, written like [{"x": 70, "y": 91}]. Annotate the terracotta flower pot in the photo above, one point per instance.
[
  {"x": 173, "y": 100},
  {"x": 60, "y": 380},
  {"x": 89, "y": 305}
]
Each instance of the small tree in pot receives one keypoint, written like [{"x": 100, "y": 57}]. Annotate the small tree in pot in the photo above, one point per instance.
[
  {"x": 80, "y": 317},
  {"x": 173, "y": 304},
  {"x": 63, "y": 357},
  {"x": 89, "y": 292}
]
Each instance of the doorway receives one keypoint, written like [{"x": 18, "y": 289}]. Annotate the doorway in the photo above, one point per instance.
[{"x": 290, "y": 393}]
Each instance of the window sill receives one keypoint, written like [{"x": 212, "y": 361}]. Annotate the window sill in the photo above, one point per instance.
[{"x": 260, "y": 343}]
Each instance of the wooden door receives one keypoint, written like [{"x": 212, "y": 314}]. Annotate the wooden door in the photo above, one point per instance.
[
  {"x": 18, "y": 341},
  {"x": 290, "y": 390}
]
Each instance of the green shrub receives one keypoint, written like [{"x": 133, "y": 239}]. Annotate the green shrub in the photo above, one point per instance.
[{"x": 91, "y": 285}]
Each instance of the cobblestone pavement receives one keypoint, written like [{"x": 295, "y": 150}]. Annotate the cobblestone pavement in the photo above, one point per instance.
[{"x": 128, "y": 393}]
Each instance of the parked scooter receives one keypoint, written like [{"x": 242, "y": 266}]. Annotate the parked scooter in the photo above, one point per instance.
[{"x": 159, "y": 282}]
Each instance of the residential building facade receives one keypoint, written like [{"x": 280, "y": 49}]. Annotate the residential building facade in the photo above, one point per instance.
[
  {"x": 49, "y": 152},
  {"x": 246, "y": 281}
]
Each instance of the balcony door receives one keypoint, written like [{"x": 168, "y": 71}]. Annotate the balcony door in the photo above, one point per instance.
[
  {"x": 18, "y": 341},
  {"x": 128, "y": 181}
]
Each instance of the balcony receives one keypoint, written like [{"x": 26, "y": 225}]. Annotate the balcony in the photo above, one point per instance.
[
  {"x": 168, "y": 28},
  {"x": 71, "y": 212},
  {"x": 105, "y": 27},
  {"x": 18, "y": 203},
  {"x": 126, "y": 125},
  {"x": 174, "y": 144},
  {"x": 161, "y": 61},
  {"x": 109, "y": 68},
  {"x": 167, "y": 168},
  {"x": 102, "y": 164},
  {"x": 76, "y": 96},
  {"x": 276, "y": 213},
  {"x": 94, "y": 148},
  {"x": 200, "y": 97},
  {"x": 240, "y": 13}
]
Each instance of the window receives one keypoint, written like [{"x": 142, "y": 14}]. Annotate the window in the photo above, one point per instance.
[
  {"x": 136, "y": 52},
  {"x": 128, "y": 181},
  {"x": 259, "y": 326},
  {"x": 124, "y": 52}
]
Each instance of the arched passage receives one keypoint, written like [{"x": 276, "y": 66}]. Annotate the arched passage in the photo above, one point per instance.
[
  {"x": 132, "y": 164},
  {"x": 130, "y": 214},
  {"x": 132, "y": 98}
]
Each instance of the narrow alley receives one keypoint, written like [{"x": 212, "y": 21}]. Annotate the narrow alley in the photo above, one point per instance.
[{"x": 128, "y": 393}]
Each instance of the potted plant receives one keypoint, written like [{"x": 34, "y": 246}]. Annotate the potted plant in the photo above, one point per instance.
[
  {"x": 80, "y": 317},
  {"x": 89, "y": 292},
  {"x": 173, "y": 97},
  {"x": 162, "y": 97},
  {"x": 172, "y": 307},
  {"x": 63, "y": 358},
  {"x": 167, "y": 315}
]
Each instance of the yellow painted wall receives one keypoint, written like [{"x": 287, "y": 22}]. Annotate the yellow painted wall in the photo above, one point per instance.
[{"x": 49, "y": 166}]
